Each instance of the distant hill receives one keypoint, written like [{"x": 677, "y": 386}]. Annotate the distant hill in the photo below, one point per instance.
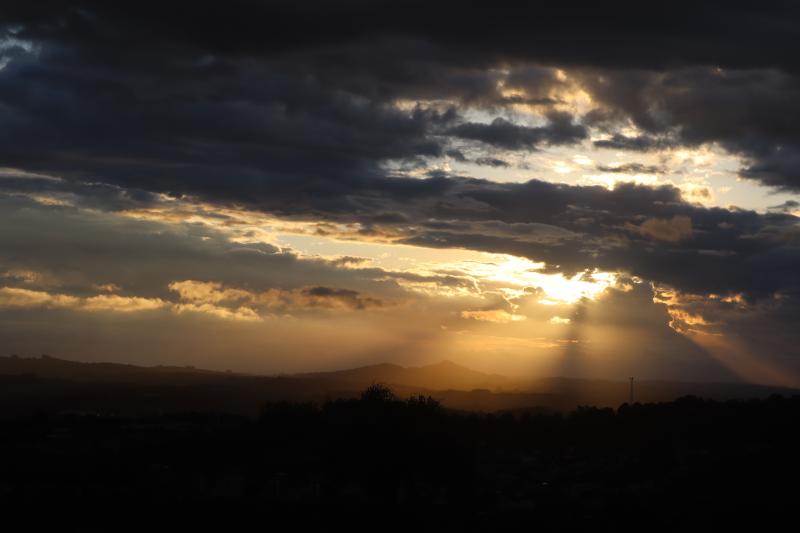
[
  {"x": 445, "y": 375},
  {"x": 55, "y": 385},
  {"x": 440, "y": 376},
  {"x": 55, "y": 368}
]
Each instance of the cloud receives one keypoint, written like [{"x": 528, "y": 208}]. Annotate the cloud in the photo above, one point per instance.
[
  {"x": 675, "y": 229},
  {"x": 570, "y": 228},
  {"x": 551, "y": 33},
  {"x": 122, "y": 304},
  {"x": 208, "y": 292},
  {"x": 253, "y": 103},
  {"x": 328, "y": 297},
  {"x": 26, "y": 298},
  {"x": 749, "y": 112},
  {"x": 491, "y": 162},
  {"x": 350, "y": 261},
  {"x": 502, "y": 133},
  {"x": 492, "y": 315},
  {"x": 244, "y": 314},
  {"x": 789, "y": 206},
  {"x": 197, "y": 297},
  {"x": 639, "y": 143},
  {"x": 753, "y": 339},
  {"x": 216, "y": 113},
  {"x": 15, "y": 297},
  {"x": 284, "y": 300},
  {"x": 631, "y": 168}
]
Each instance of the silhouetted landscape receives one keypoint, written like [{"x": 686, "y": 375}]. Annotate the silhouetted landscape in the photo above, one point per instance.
[
  {"x": 74, "y": 432},
  {"x": 52, "y": 385}
]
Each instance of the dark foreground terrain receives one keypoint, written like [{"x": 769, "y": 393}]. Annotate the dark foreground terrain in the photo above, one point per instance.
[{"x": 689, "y": 464}]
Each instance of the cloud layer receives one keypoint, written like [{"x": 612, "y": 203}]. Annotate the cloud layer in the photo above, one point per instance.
[{"x": 142, "y": 151}]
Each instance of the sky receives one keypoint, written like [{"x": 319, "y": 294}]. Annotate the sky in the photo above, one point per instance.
[{"x": 596, "y": 190}]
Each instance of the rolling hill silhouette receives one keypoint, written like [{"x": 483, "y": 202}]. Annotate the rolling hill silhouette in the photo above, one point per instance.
[
  {"x": 55, "y": 368},
  {"x": 439, "y": 376},
  {"x": 50, "y": 384}
]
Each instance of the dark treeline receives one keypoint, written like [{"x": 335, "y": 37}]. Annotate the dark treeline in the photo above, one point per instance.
[{"x": 665, "y": 466}]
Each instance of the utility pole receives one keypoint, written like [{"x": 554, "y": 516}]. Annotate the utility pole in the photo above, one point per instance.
[{"x": 630, "y": 401}]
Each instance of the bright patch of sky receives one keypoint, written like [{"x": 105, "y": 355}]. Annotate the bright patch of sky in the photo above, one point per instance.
[{"x": 706, "y": 175}]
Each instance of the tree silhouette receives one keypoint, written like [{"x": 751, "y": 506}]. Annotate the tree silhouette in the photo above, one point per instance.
[{"x": 377, "y": 393}]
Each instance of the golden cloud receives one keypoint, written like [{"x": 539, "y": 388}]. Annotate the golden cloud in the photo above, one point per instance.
[
  {"x": 15, "y": 297},
  {"x": 244, "y": 314},
  {"x": 123, "y": 304},
  {"x": 493, "y": 315},
  {"x": 204, "y": 293},
  {"x": 25, "y": 298}
]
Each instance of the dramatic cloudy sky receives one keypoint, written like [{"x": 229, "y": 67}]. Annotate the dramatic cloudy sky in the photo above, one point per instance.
[{"x": 607, "y": 191}]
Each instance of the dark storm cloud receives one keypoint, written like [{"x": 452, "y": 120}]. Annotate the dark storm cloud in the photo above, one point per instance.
[
  {"x": 81, "y": 194},
  {"x": 619, "y": 34},
  {"x": 294, "y": 136},
  {"x": 349, "y": 260},
  {"x": 302, "y": 110},
  {"x": 458, "y": 155},
  {"x": 753, "y": 113},
  {"x": 295, "y": 97},
  {"x": 778, "y": 167},
  {"x": 786, "y": 207},
  {"x": 491, "y": 162},
  {"x": 639, "y": 143},
  {"x": 632, "y": 168},
  {"x": 326, "y": 297},
  {"x": 502, "y": 133}
]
